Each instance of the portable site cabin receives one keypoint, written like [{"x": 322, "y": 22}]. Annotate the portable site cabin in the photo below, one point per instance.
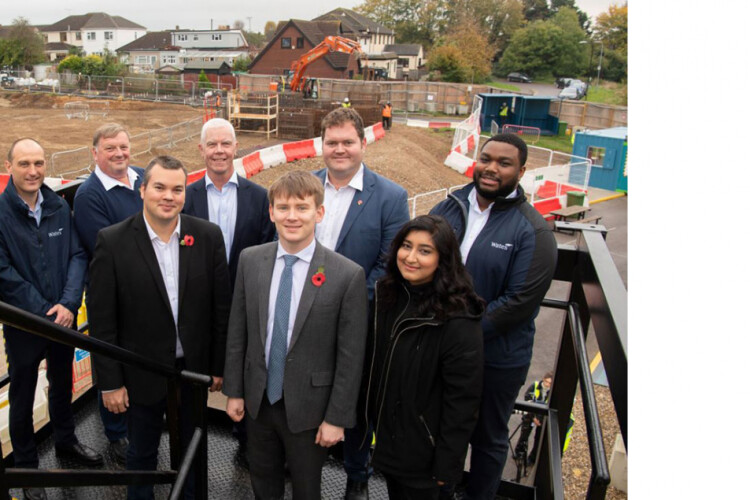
[
  {"x": 527, "y": 111},
  {"x": 608, "y": 151}
]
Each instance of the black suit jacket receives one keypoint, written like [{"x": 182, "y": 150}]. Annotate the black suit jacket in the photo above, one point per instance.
[
  {"x": 128, "y": 304},
  {"x": 253, "y": 226}
]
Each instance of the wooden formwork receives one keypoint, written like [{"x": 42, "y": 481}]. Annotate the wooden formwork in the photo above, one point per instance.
[{"x": 256, "y": 112}]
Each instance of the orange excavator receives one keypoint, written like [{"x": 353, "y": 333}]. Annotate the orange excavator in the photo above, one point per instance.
[{"x": 329, "y": 44}]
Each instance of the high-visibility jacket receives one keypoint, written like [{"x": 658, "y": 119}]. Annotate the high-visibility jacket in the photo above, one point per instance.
[
  {"x": 386, "y": 111},
  {"x": 346, "y": 104},
  {"x": 504, "y": 111}
]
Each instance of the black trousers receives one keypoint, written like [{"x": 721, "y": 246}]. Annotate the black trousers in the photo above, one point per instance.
[
  {"x": 271, "y": 444},
  {"x": 397, "y": 490},
  {"x": 25, "y": 351}
]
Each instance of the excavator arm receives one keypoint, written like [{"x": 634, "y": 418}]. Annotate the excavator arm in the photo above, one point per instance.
[{"x": 328, "y": 45}]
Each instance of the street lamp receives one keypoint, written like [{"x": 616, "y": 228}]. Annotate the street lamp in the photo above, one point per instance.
[{"x": 601, "y": 54}]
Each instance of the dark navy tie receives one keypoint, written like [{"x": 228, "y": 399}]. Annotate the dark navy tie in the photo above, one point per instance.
[{"x": 277, "y": 355}]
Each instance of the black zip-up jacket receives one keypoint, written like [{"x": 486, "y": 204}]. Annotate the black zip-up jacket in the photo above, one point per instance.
[
  {"x": 424, "y": 388},
  {"x": 512, "y": 263}
]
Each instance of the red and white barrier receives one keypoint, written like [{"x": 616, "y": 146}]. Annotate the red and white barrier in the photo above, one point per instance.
[
  {"x": 460, "y": 163},
  {"x": 251, "y": 164}
]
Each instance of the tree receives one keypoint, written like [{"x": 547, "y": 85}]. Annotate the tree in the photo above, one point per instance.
[
  {"x": 93, "y": 65},
  {"x": 468, "y": 38},
  {"x": 450, "y": 62},
  {"x": 269, "y": 30},
  {"x": 413, "y": 21},
  {"x": 24, "y": 46},
  {"x": 572, "y": 59},
  {"x": 612, "y": 28},
  {"x": 203, "y": 81},
  {"x": 241, "y": 64}
]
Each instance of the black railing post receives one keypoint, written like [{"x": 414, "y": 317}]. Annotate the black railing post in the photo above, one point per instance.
[{"x": 200, "y": 465}]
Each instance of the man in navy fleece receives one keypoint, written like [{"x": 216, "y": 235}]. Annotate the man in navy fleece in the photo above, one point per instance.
[
  {"x": 111, "y": 194},
  {"x": 511, "y": 254}
]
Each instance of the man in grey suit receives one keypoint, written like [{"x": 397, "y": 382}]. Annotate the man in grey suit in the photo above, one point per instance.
[{"x": 295, "y": 344}]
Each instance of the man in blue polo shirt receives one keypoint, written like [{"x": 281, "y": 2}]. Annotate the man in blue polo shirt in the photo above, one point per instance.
[{"x": 110, "y": 195}]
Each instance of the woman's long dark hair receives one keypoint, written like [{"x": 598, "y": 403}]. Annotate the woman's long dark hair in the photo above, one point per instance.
[{"x": 453, "y": 289}]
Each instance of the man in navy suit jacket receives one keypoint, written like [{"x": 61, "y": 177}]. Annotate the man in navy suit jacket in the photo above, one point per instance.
[
  {"x": 364, "y": 211},
  {"x": 239, "y": 207}
]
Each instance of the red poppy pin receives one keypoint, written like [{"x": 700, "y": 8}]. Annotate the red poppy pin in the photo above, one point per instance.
[
  {"x": 187, "y": 241},
  {"x": 320, "y": 277},
  {"x": 359, "y": 202}
]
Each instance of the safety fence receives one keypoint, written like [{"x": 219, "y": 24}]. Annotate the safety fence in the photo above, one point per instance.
[
  {"x": 448, "y": 98},
  {"x": 589, "y": 114},
  {"x": 180, "y": 89},
  {"x": 75, "y": 162}
]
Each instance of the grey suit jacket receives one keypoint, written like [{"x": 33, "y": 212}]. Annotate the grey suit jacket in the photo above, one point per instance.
[{"x": 326, "y": 351}]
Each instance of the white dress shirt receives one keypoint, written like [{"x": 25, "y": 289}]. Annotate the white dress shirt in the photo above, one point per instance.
[
  {"x": 476, "y": 222},
  {"x": 299, "y": 274},
  {"x": 222, "y": 208},
  {"x": 337, "y": 203},
  {"x": 168, "y": 257},
  {"x": 110, "y": 182}
]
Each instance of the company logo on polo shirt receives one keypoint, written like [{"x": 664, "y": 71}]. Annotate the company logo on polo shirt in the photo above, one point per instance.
[
  {"x": 502, "y": 246},
  {"x": 55, "y": 233}
]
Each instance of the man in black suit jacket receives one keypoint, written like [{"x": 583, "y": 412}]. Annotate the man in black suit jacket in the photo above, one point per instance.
[
  {"x": 238, "y": 206},
  {"x": 162, "y": 291}
]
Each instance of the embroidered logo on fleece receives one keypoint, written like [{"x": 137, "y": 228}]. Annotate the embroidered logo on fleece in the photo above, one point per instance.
[
  {"x": 502, "y": 246},
  {"x": 55, "y": 233}
]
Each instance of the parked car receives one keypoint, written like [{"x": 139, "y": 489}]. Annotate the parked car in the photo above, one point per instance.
[
  {"x": 570, "y": 93},
  {"x": 561, "y": 83},
  {"x": 519, "y": 77},
  {"x": 582, "y": 87}
]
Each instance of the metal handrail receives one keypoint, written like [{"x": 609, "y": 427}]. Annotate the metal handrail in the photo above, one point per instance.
[
  {"x": 14, "y": 478},
  {"x": 600, "y": 477}
]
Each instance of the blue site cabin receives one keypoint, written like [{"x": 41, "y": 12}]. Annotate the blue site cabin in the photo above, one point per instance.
[
  {"x": 608, "y": 151},
  {"x": 527, "y": 111}
]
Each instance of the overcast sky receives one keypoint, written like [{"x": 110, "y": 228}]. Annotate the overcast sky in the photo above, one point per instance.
[{"x": 198, "y": 15}]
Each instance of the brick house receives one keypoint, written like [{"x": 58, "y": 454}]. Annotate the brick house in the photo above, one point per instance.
[{"x": 296, "y": 37}]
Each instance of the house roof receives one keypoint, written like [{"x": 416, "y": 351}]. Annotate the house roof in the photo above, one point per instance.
[
  {"x": 206, "y": 65},
  {"x": 354, "y": 23},
  {"x": 404, "y": 49},
  {"x": 314, "y": 32},
  {"x": 154, "y": 40},
  {"x": 57, "y": 46},
  {"x": 92, "y": 20}
]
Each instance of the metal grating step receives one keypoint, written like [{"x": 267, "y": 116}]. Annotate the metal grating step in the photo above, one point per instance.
[{"x": 226, "y": 477}]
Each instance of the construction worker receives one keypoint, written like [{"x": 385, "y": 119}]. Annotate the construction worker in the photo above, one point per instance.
[
  {"x": 346, "y": 103},
  {"x": 387, "y": 112},
  {"x": 503, "y": 114},
  {"x": 537, "y": 392}
]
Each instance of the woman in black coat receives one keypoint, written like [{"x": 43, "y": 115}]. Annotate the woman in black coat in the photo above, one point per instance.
[{"x": 423, "y": 377}]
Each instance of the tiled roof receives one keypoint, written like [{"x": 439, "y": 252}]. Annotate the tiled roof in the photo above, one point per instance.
[
  {"x": 155, "y": 40},
  {"x": 57, "y": 46},
  {"x": 354, "y": 22},
  {"x": 404, "y": 49},
  {"x": 92, "y": 20}
]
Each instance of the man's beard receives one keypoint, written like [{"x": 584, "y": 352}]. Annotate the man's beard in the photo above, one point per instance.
[{"x": 502, "y": 191}]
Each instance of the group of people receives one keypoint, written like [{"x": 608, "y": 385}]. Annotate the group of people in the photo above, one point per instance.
[{"x": 320, "y": 309}]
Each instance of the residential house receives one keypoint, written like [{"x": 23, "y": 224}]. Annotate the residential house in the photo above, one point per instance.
[
  {"x": 372, "y": 36},
  {"x": 295, "y": 38},
  {"x": 209, "y": 39},
  {"x": 410, "y": 58},
  {"x": 181, "y": 47},
  {"x": 93, "y": 32}
]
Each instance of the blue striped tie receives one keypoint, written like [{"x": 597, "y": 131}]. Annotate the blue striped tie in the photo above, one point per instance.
[{"x": 277, "y": 356}]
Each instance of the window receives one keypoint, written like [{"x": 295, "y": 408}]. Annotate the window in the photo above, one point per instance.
[
  {"x": 90, "y": 35},
  {"x": 182, "y": 38},
  {"x": 403, "y": 62},
  {"x": 78, "y": 36},
  {"x": 286, "y": 43},
  {"x": 108, "y": 35},
  {"x": 63, "y": 37},
  {"x": 596, "y": 155},
  {"x": 300, "y": 42},
  {"x": 215, "y": 36},
  {"x": 195, "y": 38},
  {"x": 168, "y": 59}
]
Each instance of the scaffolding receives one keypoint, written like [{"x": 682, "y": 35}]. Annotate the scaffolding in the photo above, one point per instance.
[{"x": 256, "y": 112}]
